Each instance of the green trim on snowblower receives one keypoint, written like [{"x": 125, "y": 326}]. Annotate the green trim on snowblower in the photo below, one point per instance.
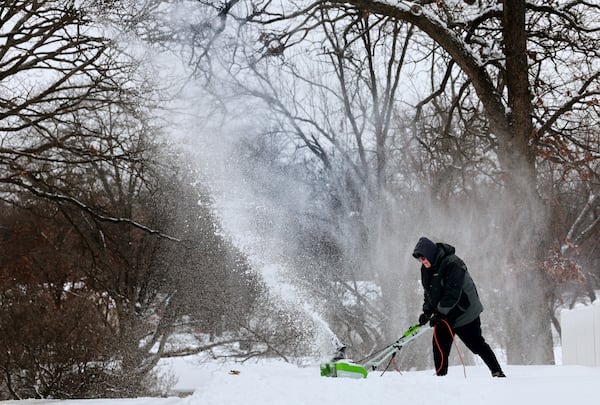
[
  {"x": 347, "y": 368},
  {"x": 343, "y": 368}
]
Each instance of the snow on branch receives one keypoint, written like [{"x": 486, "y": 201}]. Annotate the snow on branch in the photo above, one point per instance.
[{"x": 573, "y": 238}]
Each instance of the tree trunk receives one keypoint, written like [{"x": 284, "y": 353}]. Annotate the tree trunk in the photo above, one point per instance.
[{"x": 529, "y": 318}]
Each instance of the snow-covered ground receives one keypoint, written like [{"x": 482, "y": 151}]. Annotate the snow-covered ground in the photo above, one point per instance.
[{"x": 278, "y": 383}]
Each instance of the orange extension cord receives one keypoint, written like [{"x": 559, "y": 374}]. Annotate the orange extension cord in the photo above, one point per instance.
[{"x": 437, "y": 343}]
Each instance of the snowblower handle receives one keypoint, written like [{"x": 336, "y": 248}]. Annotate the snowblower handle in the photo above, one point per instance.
[
  {"x": 411, "y": 331},
  {"x": 391, "y": 350}
]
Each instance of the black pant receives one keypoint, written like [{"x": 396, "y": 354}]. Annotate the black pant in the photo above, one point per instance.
[{"x": 471, "y": 336}]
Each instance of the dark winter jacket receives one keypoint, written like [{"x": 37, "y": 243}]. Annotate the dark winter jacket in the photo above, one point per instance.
[{"x": 449, "y": 289}]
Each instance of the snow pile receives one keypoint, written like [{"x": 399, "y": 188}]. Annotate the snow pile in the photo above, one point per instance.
[
  {"x": 280, "y": 383},
  {"x": 277, "y": 383}
]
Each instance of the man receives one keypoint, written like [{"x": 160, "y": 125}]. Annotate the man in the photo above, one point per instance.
[{"x": 451, "y": 305}]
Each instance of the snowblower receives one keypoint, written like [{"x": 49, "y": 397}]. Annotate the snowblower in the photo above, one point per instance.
[{"x": 339, "y": 366}]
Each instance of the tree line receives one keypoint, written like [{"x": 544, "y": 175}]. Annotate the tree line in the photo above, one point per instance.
[
  {"x": 109, "y": 244},
  {"x": 365, "y": 124}
]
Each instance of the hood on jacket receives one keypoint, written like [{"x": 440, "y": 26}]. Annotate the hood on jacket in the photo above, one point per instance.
[{"x": 427, "y": 249}]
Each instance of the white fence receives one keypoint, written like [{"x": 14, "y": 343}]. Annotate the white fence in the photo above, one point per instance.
[{"x": 581, "y": 335}]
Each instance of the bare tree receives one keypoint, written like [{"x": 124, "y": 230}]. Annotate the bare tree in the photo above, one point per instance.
[{"x": 60, "y": 74}]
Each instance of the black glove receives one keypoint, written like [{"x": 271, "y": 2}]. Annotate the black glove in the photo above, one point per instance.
[
  {"x": 437, "y": 319},
  {"x": 424, "y": 318}
]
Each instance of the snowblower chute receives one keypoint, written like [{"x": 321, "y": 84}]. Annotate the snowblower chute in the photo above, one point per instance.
[{"x": 339, "y": 366}]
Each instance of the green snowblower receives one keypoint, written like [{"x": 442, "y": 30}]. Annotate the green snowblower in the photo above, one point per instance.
[{"x": 339, "y": 366}]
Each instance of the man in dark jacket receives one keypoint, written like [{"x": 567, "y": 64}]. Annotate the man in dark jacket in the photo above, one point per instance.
[{"x": 451, "y": 305}]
